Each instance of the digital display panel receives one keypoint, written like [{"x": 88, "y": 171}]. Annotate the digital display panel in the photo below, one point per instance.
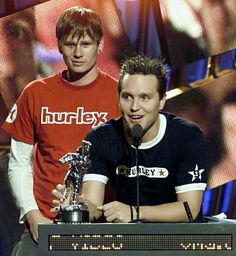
[
  {"x": 136, "y": 242},
  {"x": 211, "y": 239}
]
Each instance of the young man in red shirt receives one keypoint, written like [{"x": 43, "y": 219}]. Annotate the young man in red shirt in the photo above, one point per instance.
[{"x": 52, "y": 116}]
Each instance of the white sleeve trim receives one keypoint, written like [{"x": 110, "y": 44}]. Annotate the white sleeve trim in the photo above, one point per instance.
[
  {"x": 190, "y": 187},
  {"x": 20, "y": 175},
  {"x": 95, "y": 177}
]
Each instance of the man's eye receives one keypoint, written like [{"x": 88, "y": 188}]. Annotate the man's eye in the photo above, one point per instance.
[
  {"x": 85, "y": 44},
  {"x": 145, "y": 97},
  {"x": 125, "y": 97},
  {"x": 70, "y": 45}
]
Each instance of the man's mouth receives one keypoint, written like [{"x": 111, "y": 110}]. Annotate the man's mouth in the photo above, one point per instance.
[
  {"x": 77, "y": 63},
  {"x": 135, "y": 118}
]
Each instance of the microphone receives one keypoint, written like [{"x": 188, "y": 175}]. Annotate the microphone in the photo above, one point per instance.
[{"x": 137, "y": 134}]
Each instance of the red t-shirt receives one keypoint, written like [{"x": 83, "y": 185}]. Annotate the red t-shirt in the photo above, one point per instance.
[{"x": 56, "y": 116}]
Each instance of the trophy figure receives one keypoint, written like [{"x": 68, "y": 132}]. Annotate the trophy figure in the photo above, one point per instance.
[{"x": 79, "y": 162}]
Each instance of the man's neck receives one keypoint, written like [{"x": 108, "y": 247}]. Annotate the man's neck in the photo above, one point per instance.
[
  {"x": 152, "y": 132},
  {"x": 81, "y": 79}
]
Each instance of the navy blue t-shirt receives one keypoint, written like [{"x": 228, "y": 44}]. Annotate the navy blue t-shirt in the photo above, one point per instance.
[{"x": 173, "y": 162}]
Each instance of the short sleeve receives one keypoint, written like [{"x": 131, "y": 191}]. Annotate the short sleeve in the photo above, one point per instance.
[
  {"x": 192, "y": 161},
  {"x": 19, "y": 123}
]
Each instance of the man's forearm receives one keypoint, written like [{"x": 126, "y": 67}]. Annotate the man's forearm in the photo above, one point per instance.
[
  {"x": 171, "y": 212},
  {"x": 176, "y": 211},
  {"x": 21, "y": 176}
]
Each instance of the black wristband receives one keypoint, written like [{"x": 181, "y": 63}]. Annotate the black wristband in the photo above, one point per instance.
[{"x": 131, "y": 213}]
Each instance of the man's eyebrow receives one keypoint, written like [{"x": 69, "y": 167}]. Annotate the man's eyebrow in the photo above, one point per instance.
[
  {"x": 71, "y": 40},
  {"x": 145, "y": 94},
  {"x": 126, "y": 93}
]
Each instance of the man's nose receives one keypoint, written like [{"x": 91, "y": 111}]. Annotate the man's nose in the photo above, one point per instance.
[
  {"x": 134, "y": 105},
  {"x": 77, "y": 51}
]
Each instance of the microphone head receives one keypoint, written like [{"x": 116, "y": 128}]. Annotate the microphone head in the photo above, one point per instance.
[{"x": 137, "y": 134}]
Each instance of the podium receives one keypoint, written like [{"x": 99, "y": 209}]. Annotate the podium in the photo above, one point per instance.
[{"x": 175, "y": 239}]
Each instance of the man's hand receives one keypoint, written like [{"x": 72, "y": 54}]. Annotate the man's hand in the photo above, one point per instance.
[
  {"x": 94, "y": 213},
  {"x": 34, "y": 217},
  {"x": 58, "y": 192},
  {"x": 116, "y": 212}
]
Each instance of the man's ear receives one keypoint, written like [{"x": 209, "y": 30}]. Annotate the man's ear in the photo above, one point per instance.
[
  {"x": 162, "y": 102},
  {"x": 100, "y": 45}
]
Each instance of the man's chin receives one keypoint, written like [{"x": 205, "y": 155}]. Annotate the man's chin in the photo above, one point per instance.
[{"x": 130, "y": 123}]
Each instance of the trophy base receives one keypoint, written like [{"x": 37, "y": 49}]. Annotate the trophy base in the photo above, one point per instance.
[{"x": 73, "y": 214}]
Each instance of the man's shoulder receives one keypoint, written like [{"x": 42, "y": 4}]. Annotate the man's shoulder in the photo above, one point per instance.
[
  {"x": 112, "y": 124},
  {"x": 107, "y": 77},
  {"x": 41, "y": 83},
  {"x": 110, "y": 128},
  {"x": 179, "y": 123},
  {"x": 106, "y": 134}
]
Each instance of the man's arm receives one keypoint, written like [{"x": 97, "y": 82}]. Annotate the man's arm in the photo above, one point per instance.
[
  {"x": 174, "y": 212},
  {"x": 20, "y": 175},
  {"x": 93, "y": 195},
  {"x": 170, "y": 212},
  {"x": 93, "y": 192}
]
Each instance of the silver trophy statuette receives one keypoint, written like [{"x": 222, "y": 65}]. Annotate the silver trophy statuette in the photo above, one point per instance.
[{"x": 79, "y": 163}]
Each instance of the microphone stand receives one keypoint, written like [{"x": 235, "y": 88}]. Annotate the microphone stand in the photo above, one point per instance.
[
  {"x": 137, "y": 134},
  {"x": 137, "y": 220}
]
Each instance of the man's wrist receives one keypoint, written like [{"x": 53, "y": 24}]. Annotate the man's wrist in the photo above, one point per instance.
[
  {"x": 31, "y": 214},
  {"x": 138, "y": 213}
]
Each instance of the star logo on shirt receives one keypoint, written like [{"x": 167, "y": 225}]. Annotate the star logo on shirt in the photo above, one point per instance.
[
  {"x": 196, "y": 173},
  {"x": 161, "y": 172}
]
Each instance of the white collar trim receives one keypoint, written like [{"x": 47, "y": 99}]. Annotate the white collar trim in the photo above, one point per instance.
[{"x": 160, "y": 135}]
